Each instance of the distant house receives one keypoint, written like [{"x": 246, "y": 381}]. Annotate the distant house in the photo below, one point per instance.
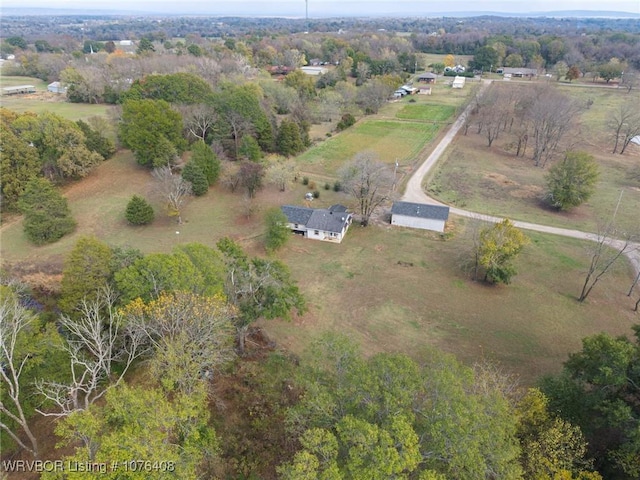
[
  {"x": 126, "y": 43},
  {"x": 424, "y": 90},
  {"x": 56, "y": 87},
  {"x": 458, "y": 82},
  {"x": 427, "y": 77},
  {"x": 518, "y": 72},
  {"x": 419, "y": 215},
  {"x": 328, "y": 224},
  {"x": 409, "y": 89},
  {"x": 18, "y": 90}
]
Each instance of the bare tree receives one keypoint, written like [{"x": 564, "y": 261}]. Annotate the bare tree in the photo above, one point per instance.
[
  {"x": 282, "y": 173},
  {"x": 14, "y": 320},
  {"x": 96, "y": 341},
  {"x": 624, "y": 124},
  {"x": 173, "y": 189},
  {"x": 551, "y": 114},
  {"x": 199, "y": 119},
  {"x": 604, "y": 254},
  {"x": 369, "y": 181},
  {"x": 634, "y": 283}
]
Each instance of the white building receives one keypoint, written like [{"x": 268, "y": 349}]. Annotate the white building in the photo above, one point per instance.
[
  {"x": 419, "y": 215},
  {"x": 330, "y": 224},
  {"x": 458, "y": 82}
]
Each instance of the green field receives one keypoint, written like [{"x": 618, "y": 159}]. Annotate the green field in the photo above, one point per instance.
[
  {"x": 426, "y": 112},
  {"x": 390, "y": 140}
]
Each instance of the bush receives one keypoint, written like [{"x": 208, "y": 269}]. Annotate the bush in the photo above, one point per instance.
[
  {"x": 139, "y": 211},
  {"x": 312, "y": 185},
  {"x": 316, "y": 194},
  {"x": 327, "y": 186},
  {"x": 337, "y": 187},
  {"x": 305, "y": 180},
  {"x": 345, "y": 122}
]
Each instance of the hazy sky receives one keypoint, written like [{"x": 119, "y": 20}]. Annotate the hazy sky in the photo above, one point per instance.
[{"x": 331, "y": 7}]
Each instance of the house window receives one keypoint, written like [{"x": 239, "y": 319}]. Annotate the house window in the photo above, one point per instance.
[{"x": 316, "y": 232}]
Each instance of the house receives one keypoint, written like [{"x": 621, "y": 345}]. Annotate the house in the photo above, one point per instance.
[
  {"x": 518, "y": 72},
  {"x": 419, "y": 215},
  {"x": 458, "y": 82},
  {"x": 424, "y": 90},
  {"x": 408, "y": 89},
  {"x": 328, "y": 224},
  {"x": 56, "y": 87},
  {"x": 427, "y": 77}
]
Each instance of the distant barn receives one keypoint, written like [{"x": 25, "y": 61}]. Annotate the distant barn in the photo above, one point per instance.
[{"x": 19, "y": 90}]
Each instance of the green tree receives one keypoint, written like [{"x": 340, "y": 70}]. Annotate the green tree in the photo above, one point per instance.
[
  {"x": 498, "y": 245},
  {"x": 288, "y": 141},
  {"x": 572, "y": 181},
  {"x": 209, "y": 263},
  {"x": 484, "y": 58},
  {"x": 87, "y": 271},
  {"x": 139, "y": 211},
  {"x": 203, "y": 156},
  {"x": 18, "y": 42},
  {"x": 193, "y": 174},
  {"x": 145, "y": 46},
  {"x": 47, "y": 217},
  {"x": 147, "y": 277},
  {"x": 96, "y": 141},
  {"x": 182, "y": 87},
  {"x": 141, "y": 423},
  {"x": 258, "y": 288},
  {"x": 598, "y": 391},
  {"x": 249, "y": 149},
  {"x": 277, "y": 230},
  {"x": 611, "y": 70},
  {"x": 19, "y": 164},
  {"x": 152, "y": 130}
]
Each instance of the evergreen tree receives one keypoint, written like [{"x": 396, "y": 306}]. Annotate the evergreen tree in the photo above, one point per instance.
[
  {"x": 289, "y": 141},
  {"x": 47, "y": 217},
  {"x": 194, "y": 174},
  {"x": 139, "y": 211},
  {"x": 207, "y": 160},
  {"x": 277, "y": 230}
]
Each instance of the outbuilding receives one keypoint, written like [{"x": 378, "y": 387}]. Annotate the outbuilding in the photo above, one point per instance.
[
  {"x": 56, "y": 87},
  {"x": 419, "y": 215},
  {"x": 428, "y": 77}
]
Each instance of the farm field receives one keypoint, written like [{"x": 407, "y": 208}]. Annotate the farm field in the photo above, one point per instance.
[
  {"x": 493, "y": 181},
  {"x": 391, "y": 289}
]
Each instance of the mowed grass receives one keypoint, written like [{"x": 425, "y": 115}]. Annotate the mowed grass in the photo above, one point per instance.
[
  {"x": 492, "y": 180},
  {"x": 426, "y": 112},
  {"x": 390, "y": 140},
  {"x": 394, "y": 289}
]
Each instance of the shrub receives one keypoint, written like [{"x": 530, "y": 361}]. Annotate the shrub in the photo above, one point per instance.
[
  {"x": 345, "y": 122},
  {"x": 316, "y": 194},
  {"x": 138, "y": 211},
  {"x": 327, "y": 186},
  {"x": 305, "y": 180},
  {"x": 312, "y": 185},
  {"x": 337, "y": 187}
]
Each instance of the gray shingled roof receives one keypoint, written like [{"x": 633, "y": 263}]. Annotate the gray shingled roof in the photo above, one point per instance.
[
  {"x": 327, "y": 221},
  {"x": 299, "y": 215},
  {"x": 420, "y": 210}
]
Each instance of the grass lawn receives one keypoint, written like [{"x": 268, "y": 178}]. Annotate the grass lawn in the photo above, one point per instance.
[
  {"x": 390, "y": 140},
  {"x": 391, "y": 289},
  {"x": 426, "y": 112},
  {"x": 492, "y": 180}
]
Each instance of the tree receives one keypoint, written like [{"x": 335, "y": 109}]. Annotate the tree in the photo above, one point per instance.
[
  {"x": 15, "y": 319},
  {"x": 47, "y": 217},
  {"x": 367, "y": 180},
  {"x": 281, "y": 173},
  {"x": 573, "y": 73},
  {"x": 199, "y": 119},
  {"x": 373, "y": 94},
  {"x": 598, "y": 391},
  {"x": 193, "y": 174},
  {"x": 203, "y": 156},
  {"x": 169, "y": 432},
  {"x": 612, "y": 69},
  {"x": 277, "y": 230},
  {"x": 571, "y": 181},
  {"x": 250, "y": 176},
  {"x": 191, "y": 336},
  {"x": 288, "y": 140},
  {"x": 19, "y": 164},
  {"x": 139, "y": 211},
  {"x": 181, "y": 88},
  {"x": 96, "y": 141},
  {"x": 258, "y": 288},
  {"x": 87, "y": 271},
  {"x": 152, "y": 130},
  {"x": 498, "y": 246},
  {"x": 561, "y": 69},
  {"x": 145, "y": 46},
  {"x": 96, "y": 341},
  {"x": 484, "y": 58},
  {"x": 173, "y": 189},
  {"x": 625, "y": 125}
]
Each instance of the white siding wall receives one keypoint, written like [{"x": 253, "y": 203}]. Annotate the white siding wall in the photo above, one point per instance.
[{"x": 414, "y": 222}]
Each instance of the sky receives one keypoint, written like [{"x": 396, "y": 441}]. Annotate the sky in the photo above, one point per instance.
[{"x": 321, "y": 8}]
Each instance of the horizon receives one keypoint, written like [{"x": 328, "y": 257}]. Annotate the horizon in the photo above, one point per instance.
[{"x": 324, "y": 9}]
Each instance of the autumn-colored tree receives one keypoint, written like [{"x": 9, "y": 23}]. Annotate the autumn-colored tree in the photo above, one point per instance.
[
  {"x": 573, "y": 73},
  {"x": 498, "y": 245}
]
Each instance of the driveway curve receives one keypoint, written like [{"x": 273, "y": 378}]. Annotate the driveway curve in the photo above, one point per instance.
[{"x": 415, "y": 193}]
